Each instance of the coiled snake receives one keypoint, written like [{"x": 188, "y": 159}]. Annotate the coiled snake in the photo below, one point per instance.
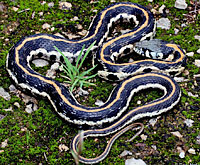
[{"x": 164, "y": 58}]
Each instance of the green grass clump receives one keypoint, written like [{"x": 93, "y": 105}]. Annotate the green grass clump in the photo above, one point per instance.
[{"x": 74, "y": 75}]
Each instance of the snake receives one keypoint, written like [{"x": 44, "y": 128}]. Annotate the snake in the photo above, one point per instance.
[{"x": 163, "y": 61}]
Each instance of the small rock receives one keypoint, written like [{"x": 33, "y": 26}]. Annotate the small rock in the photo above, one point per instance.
[
  {"x": 180, "y": 4},
  {"x": 74, "y": 19},
  {"x": 190, "y": 54},
  {"x": 65, "y": 5},
  {"x": 4, "y": 144},
  {"x": 176, "y": 31},
  {"x": 189, "y": 122},
  {"x": 40, "y": 62},
  {"x": 55, "y": 66},
  {"x": 198, "y": 51},
  {"x": 150, "y": 0},
  {"x": 13, "y": 89},
  {"x": 177, "y": 134},
  {"x": 192, "y": 95},
  {"x": 192, "y": 151},
  {"x": 1, "y": 117},
  {"x": 125, "y": 153},
  {"x": 31, "y": 108},
  {"x": 1, "y": 151},
  {"x": 134, "y": 161},
  {"x": 179, "y": 79},
  {"x": 4, "y": 94},
  {"x": 182, "y": 154},
  {"x": 164, "y": 23},
  {"x": 139, "y": 102},
  {"x": 153, "y": 121},
  {"x": 197, "y": 63},
  {"x": 50, "y": 5},
  {"x": 161, "y": 9},
  {"x": 154, "y": 147},
  {"x": 197, "y": 37},
  {"x": 82, "y": 92},
  {"x": 59, "y": 35},
  {"x": 83, "y": 32},
  {"x": 2, "y": 7},
  {"x": 63, "y": 147},
  {"x": 9, "y": 109},
  {"x": 41, "y": 13},
  {"x": 15, "y": 8},
  {"x": 46, "y": 26},
  {"x": 51, "y": 73},
  {"x": 79, "y": 27},
  {"x": 99, "y": 103},
  {"x": 143, "y": 137}
]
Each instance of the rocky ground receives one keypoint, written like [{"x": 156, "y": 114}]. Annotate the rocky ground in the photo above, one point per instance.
[{"x": 31, "y": 133}]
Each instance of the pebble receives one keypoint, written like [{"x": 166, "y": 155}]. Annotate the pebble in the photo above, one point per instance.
[
  {"x": 51, "y": 4},
  {"x": 4, "y": 143},
  {"x": 2, "y": 7},
  {"x": 99, "y": 102},
  {"x": 1, "y": 117},
  {"x": 83, "y": 32},
  {"x": 143, "y": 137},
  {"x": 153, "y": 121},
  {"x": 46, "y": 26},
  {"x": 192, "y": 151},
  {"x": 198, "y": 51},
  {"x": 176, "y": 31},
  {"x": 9, "y": 109},
  {"x": 15, "y": 8},
  {"x": 40, "y": 62},
  {"x": 180, "y": 4},
  {"x": 190, "y": 54},
  {"x": 154, "y": 147},
  {"x": 164, "y": 23},
  {"x": 189, "y": 122},
  {"x": 4, "y": 94},
  {"x": 125, "y": 153},
  {"x": 180, "y": 79},
  {"x": 197, "y": 37},
  {"x": 197, "y": 63},
  {"x": 161, "y": 9},
  {"x": 150, "y": 0},
  {"x": 63, "y": 147},
  {"x": 82, "y": 92},
  {"x": 177, "y": 134},
  {"x": 182, "y": 154},
  {"x": 192, "y": 95},
  {"x": 134, "y": 161},
  {"x": 65, "y": 5}
]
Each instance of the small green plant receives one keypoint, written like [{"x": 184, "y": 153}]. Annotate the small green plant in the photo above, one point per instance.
[{"x": 74, "y": 75}]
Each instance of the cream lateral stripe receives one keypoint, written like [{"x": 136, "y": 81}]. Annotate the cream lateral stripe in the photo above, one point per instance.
[{"x": 144, "y": 106}]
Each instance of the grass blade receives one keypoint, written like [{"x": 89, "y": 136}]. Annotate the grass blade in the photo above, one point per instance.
[
  {"x": 79, "y": 56},
  {"x": 88, "y": 50}
]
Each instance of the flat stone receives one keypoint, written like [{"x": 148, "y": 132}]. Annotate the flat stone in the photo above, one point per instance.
[
  {"x": 4, "y": 94},
  {"x": 180, "y": 4},
  {"x": 134, "y": 161},
  {"x": 40, "y": 62},
  {"x": 164, "y": 23},
  {"x": 197, "y": 63}
]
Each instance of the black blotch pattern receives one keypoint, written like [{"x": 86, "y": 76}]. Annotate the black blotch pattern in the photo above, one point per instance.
[
  {"x": 147, "y": 70},
  {"x": 112, "y": 77},
  {"x": 52, "y": 57}
]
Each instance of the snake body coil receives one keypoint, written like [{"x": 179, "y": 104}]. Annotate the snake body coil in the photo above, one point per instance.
[{"x": 145, "y": 77}]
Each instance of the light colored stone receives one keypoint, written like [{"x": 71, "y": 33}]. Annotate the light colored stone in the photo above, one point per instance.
[
  {"x": 197, "y": 63},
  {"x": 46, "y": 26},
  {"x": 190, "y": 54},
  {"x": 192, "y": 151},
  {"x": 63, "y": 147},
  {"x": 161, "y": 9},
  {"x": 134, "y": 161},
  {"x": 189, "y": 122},
  {"x": 182, "y": 154},
  {"x": 197, "y": 37},
  {"x": 125, "y": 153},
  {"x": 40, "y": 62},
  {"x": 177, "y": 134},
  {"x": 164, "y": 23},
  {"x": 198, "y": 51},
  {"x": 99, "y": 102},
  {"x": 65, "y": 5},
  {"x": 4, "y": 94},
  {"x": 180, "y": 4}
]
